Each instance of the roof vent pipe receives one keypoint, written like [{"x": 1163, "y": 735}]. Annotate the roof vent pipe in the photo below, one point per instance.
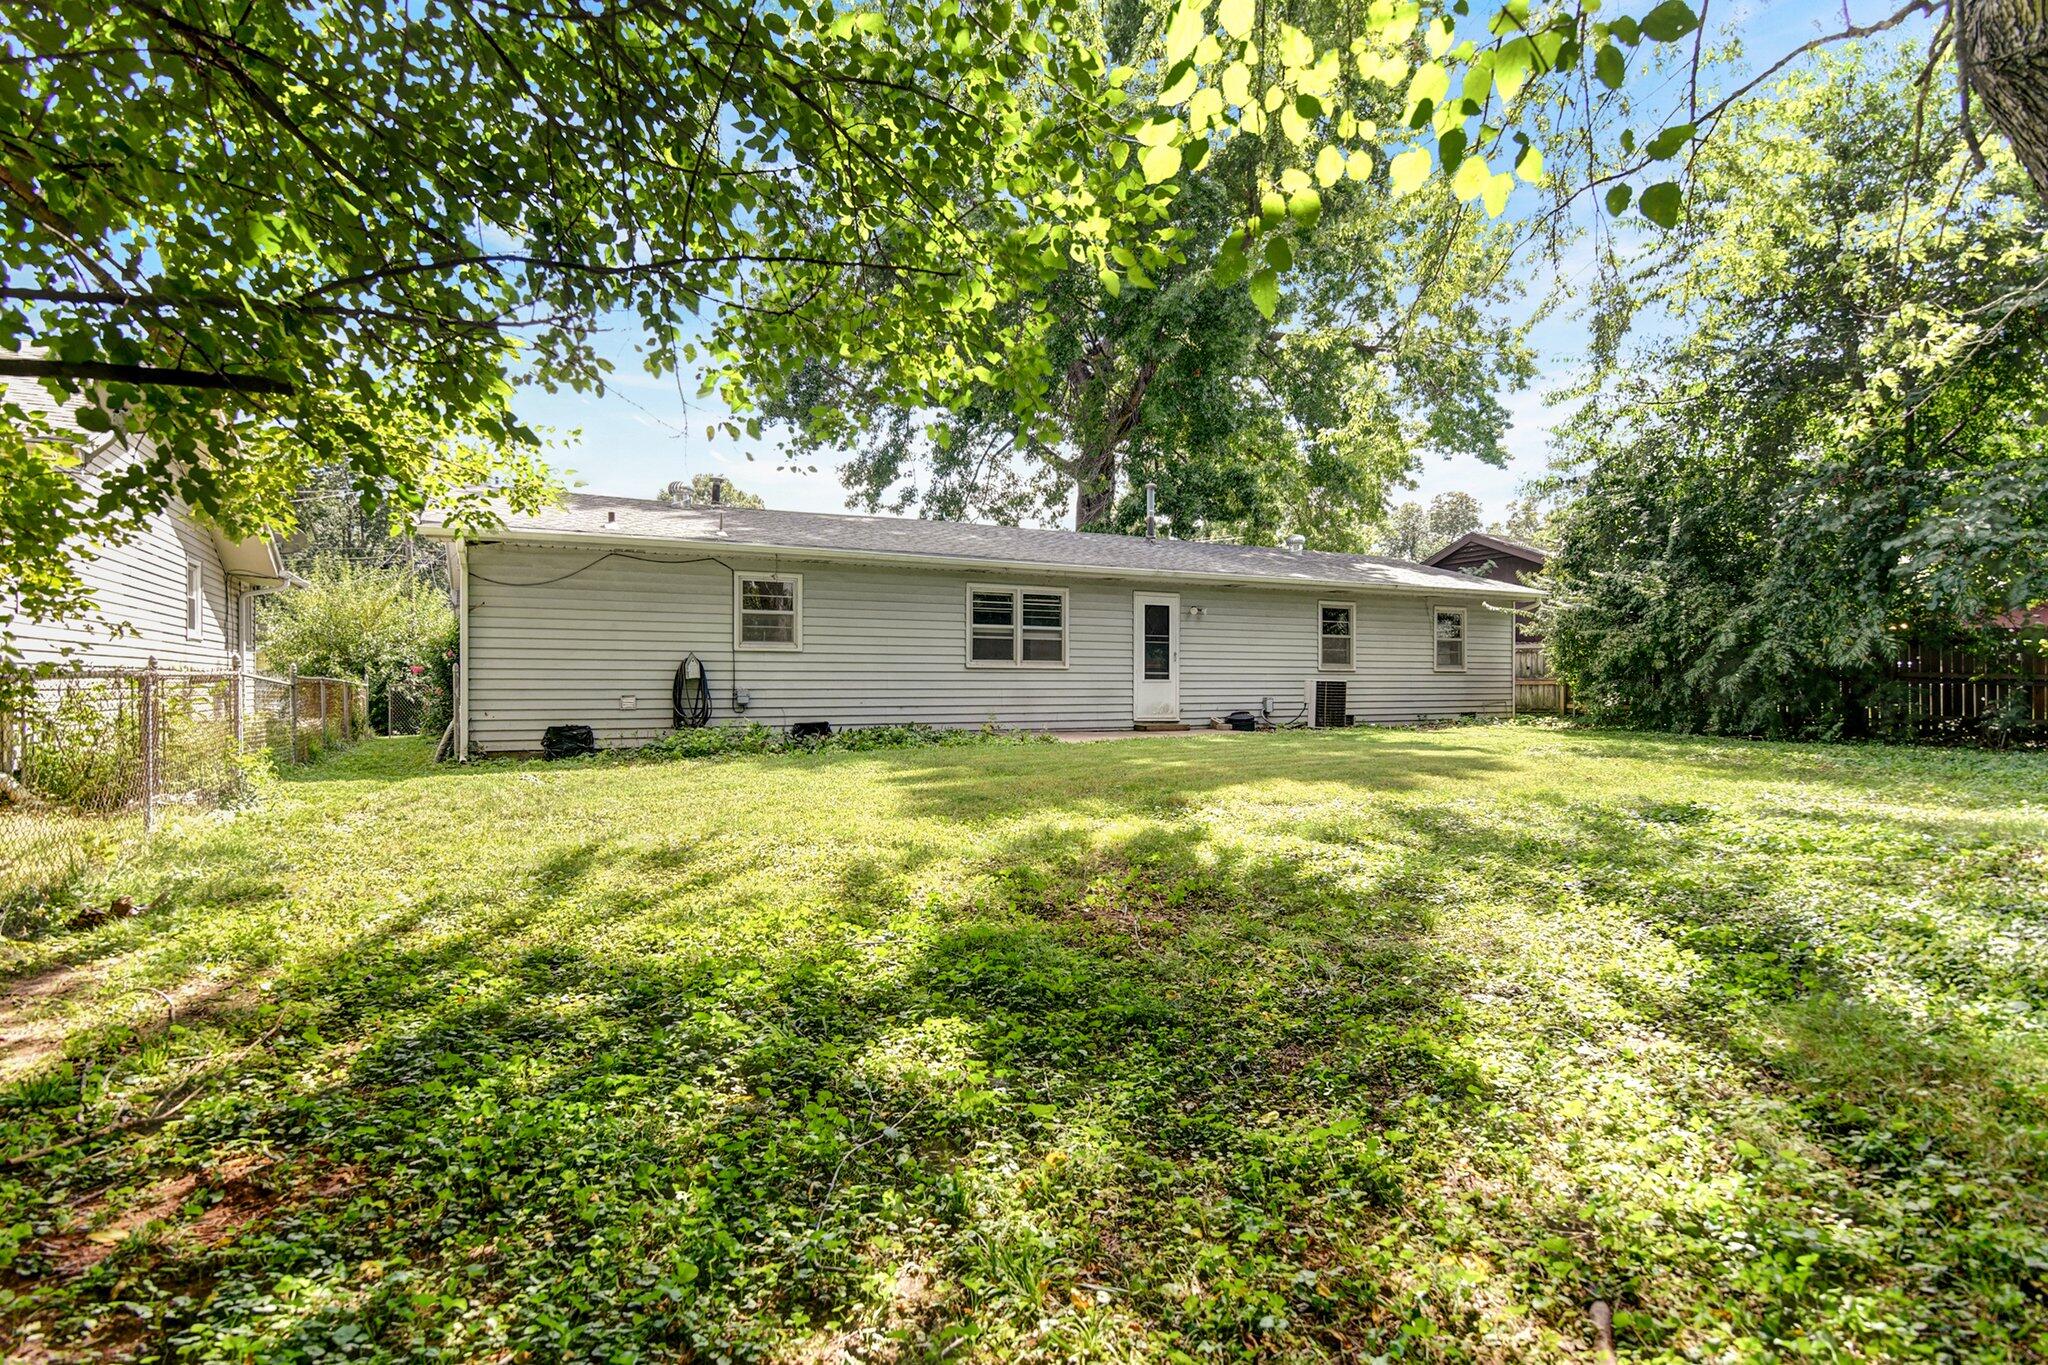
[
  {"x": 678, "y": 494},
  {"x": 717, "y": 489},
  {"x": 1297, "y": 543},
  {"x": 1151, "y": 510},
  {"x": 610, "y": 517}
]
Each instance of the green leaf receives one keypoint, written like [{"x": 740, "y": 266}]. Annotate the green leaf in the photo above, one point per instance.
[
  {"x": 1610, "y": 66},
  {"x": 1265, "y": 291},
  {"x": 1496, "y": 192},
  {"x": 1180, "y": 83},
  {"x": 1407, "y": 171},
  {"x": 1329, "y": 166},
  {"x": 1305, "y": 207},
  {"x": 1272, "y": 208},
  {"x": 1618, "y": 198},
  {"x": 1450, "y": 150},
  {"x": 1667, "y": 144},
  {"x": 1183, "y": 31},
  {"x": 1670, "y": 21},
  {"x": 1279, "y": 254},
  {"x": 1161, "y": 162},
  {"x": 1235, "y": 17},
  {"x": 1662, "y": 203}
]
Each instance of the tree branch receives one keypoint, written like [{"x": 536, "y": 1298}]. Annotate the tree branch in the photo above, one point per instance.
[{"x": 155, "y": 376}]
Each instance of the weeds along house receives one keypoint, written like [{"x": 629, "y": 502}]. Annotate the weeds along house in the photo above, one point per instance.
[
  {"x": 584, "y": 613},
  {"x": 178, "y": 590}
]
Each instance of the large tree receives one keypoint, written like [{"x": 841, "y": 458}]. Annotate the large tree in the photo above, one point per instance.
[
  {"x": 1388, "y": 336},
  {"x": 1841, "y": 444},
  {"x": 1415, "y": 531}
]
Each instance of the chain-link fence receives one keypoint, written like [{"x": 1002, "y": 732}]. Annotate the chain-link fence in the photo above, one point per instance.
[
  {"x": 405, "y": 705},
  {"x": 97, "y": 752}
]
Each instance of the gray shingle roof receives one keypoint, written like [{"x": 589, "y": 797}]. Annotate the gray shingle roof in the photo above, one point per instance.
[{"x": 608, "y": 520}]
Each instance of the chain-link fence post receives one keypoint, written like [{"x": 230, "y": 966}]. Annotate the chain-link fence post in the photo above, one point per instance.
[
  {"x": 146, "y": 727},
  {"x": 291, "y": 687},
  {"x": 235, "y": 700}
]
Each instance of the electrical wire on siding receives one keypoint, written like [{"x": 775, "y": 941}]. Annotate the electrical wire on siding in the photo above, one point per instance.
[
  {"x": 732, "y": 576},
  {"x": 585, "y": 568}
]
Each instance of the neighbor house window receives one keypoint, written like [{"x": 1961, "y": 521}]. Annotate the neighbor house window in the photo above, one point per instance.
[
  {"x": 1020, "y": 627},
  {"x": 768, "y": 612},
  {"x": 195, "y": 601},
  {"x": 1337, "y": 635},
  {"x": 1450, "y": 639}
]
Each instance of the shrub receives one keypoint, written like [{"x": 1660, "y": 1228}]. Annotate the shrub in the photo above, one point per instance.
[
  {"x": 352, "y": 621},
  {"x": 712, "y": 742}
]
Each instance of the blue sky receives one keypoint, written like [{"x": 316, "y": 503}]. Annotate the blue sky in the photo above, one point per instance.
[{"x": 644, "y": 432}]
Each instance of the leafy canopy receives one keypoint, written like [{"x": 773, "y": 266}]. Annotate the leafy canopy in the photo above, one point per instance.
[
  {"x": 1842, "y": 446},
  {"x": 1391, "y": 332}
]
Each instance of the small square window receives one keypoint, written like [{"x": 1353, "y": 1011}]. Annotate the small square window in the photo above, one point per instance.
[
  {"x": 768, "y": 612},
  {"x": 1336, "y": 630},
  {"x": 1450, "y": 639},
  {"x": 994, "y": 624}
]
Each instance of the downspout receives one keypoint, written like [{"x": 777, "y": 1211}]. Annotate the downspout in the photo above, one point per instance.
[{"x": 461, "y": 576}]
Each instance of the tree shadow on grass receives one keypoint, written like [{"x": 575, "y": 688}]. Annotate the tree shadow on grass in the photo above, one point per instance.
[
  {"x": 705, "y": 1148},
  {"x": 1866, "y": 1075},
  {"x": 1144, "y": 1081}
]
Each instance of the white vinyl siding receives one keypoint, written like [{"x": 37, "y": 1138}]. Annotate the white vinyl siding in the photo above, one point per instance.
[
  {"x": 1339, "y": 641},
  {"x": 1449, "y": 630},
  {"x": 769, "y": 611},
  {"x": 143, "y": 602},
  {"x": 886, "y": 645}
]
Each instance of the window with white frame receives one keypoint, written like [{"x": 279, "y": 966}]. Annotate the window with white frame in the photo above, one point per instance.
[
  {"x": 1016, "y": 627},
  {"x": 1336, "y": 632},
  {"x": 195, "y": 601},
  {"x": 1450, "y": 639},
  {"x": 768, "y": 611}
]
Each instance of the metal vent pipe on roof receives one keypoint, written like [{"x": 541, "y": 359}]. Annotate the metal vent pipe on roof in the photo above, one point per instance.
[
  {"x": 717, "y": 489},
  {"x": 1297, "y": 543},
  {"x": 1151, "y": 510}
]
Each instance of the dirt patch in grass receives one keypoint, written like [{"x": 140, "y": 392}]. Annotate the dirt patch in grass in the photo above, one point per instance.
[
  {"x": 29, "y": 1037},
  {"x": 232, "y": 1197}
]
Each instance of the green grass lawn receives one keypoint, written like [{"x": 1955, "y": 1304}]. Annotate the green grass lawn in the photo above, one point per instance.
[{"x": 1371, "y": 1044}]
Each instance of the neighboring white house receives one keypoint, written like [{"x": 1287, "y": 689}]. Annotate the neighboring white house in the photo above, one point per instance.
[
  {"x": 582, "y": 613},
  {"x": 178, "y": 590}
]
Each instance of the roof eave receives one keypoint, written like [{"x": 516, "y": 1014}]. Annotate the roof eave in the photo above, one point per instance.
[{"x": 1454, "y": 584}]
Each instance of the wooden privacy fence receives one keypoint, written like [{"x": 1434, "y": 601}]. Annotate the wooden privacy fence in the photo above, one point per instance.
[
  {"x": 1536, "y": 691},
  {"x": 1946, "y": 690}
]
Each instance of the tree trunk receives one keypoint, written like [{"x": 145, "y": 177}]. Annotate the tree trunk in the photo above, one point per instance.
[
  {"x": 1095, "y": 489},
  {"x": 2002, "y": 54}
]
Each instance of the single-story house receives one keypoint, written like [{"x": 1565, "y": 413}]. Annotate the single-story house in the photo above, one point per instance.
[
  {"x": 179, "y": 590},
  {"x": 1486, "y": 555},
  {"x": 581, "y": 614}
]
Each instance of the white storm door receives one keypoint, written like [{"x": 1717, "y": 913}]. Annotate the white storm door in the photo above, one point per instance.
[{"x": 1155, "y": 622}]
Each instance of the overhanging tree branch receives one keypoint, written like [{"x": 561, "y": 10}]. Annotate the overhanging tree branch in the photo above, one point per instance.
[{"x": 156, "y": 376}]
